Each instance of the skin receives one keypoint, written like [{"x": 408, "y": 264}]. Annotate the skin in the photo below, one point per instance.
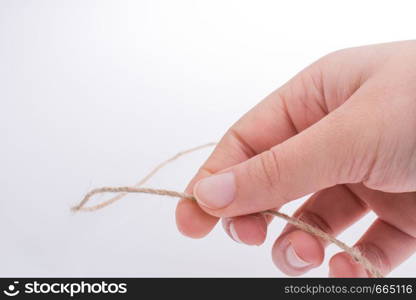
[{"x": 343, "y": 130}]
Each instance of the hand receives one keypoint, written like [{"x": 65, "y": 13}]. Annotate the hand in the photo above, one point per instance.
[{"x": 343, "y": 129}]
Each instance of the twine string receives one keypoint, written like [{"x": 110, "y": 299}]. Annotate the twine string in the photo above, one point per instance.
[
  {"x": 81, "y": 206},
  {"x": 122, "y": 191}
]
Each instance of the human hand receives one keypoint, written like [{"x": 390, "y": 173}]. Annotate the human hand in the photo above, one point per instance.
[{"x": 344, "y": 129}]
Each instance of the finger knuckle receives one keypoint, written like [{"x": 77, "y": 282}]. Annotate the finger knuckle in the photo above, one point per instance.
[
  {"x": 376, "y": 256},
  {"x": 268, "y": 170},
  {"x": 315, "y": 220}
]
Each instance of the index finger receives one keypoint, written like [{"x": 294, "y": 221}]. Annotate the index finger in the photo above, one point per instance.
[{"x": 265, "y": 125}]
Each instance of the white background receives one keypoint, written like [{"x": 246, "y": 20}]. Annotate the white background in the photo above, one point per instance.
[{"x": 96, "y": 93}]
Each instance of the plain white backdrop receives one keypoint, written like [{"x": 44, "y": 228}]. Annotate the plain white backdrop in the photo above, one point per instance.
[{"x": 96, "y": 93}]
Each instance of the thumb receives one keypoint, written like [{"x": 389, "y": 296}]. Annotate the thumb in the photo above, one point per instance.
[{"x": 338, "y": 149}]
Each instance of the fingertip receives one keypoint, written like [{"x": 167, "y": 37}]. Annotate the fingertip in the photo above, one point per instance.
[
  {"x": 193, "y": 222},
  {"x": 297, "y": 252},
  {"x": 249, "y": 230},
  {"x": 343, "y": 265}
]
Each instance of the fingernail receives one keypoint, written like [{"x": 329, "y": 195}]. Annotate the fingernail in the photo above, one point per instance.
[
  {"x": 226, "y": 224},
  {"x": 293, "y": 259},
  {"x": 234, "y": 233},
  {"x": 216, "y": 191}
]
